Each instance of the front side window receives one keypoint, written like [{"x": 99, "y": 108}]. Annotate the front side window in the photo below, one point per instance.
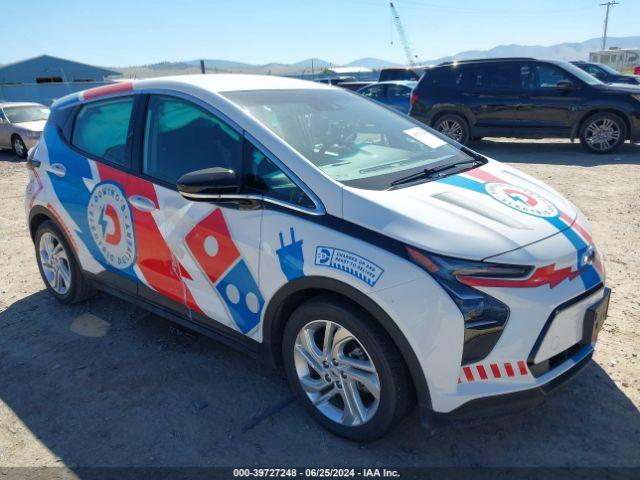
[
  {"x": 31, "y": 113},
  {"x": 548, "y": 76},
  {"x": 101, "y": 129},
  {"x": 181, "y": 137},
  {"x": 261, "y": 175},
  {"x": 352, "y": 140}
]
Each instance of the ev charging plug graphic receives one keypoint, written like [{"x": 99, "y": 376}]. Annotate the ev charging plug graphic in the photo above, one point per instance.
[{"x": 291, "y": 257}]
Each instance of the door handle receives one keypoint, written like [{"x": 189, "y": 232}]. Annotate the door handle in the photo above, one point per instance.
[
  {"x": 142, "y": 203},
  {"x": 57, "y": 169}
]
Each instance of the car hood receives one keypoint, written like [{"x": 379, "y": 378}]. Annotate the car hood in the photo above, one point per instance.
[
  {"x": 35, "y": 126},
  {"x": 476, "y": 214}
]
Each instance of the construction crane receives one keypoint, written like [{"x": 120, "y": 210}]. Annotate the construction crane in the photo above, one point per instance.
[{"x": 403, "y": 38}]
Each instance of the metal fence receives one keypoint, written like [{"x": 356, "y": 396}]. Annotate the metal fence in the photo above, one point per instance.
[{"x": 44, "y": 93}]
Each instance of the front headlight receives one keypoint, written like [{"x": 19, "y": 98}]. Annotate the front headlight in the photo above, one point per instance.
[
  {"x": 636, "y": 97},
  {"x": 484, "y": 316},
  {"x": 32, "y": 134}
]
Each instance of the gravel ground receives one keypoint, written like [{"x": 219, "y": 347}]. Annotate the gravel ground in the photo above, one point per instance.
[{"x": 105, "y": 384}]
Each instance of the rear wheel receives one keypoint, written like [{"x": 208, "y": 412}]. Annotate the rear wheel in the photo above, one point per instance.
[
  {"x": 19, "y": 148},
  {"x": 345, "y": 371},
  {"x": 58, "y": 267},
  {"x": 453, "y": 126},
  {"x": 603, "y": 133}
]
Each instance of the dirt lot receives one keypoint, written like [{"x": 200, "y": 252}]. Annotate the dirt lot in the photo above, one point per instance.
[{"x": 106, "y": 384}]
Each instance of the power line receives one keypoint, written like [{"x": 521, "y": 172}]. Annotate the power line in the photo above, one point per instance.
[{"x": 609, "y": 4}]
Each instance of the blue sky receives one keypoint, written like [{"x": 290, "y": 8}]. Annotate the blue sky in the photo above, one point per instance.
[{"x": 135, "y": 32}]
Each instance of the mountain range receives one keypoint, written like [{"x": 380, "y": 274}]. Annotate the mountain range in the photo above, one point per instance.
[{"x": 561, "y": 51}]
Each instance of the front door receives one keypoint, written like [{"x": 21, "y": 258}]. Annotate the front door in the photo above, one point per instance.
[
  {"x": 5, "y": 141},
  {"x": 198, "y": 257},
  {"x": 554, "y": 109}
]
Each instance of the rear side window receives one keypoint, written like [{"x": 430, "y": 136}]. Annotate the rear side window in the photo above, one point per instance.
[
  {"x": 497, "y": 77},
  {"x": 101, "y": 129},
  {"x": 181, "y": 137},
  {"x": 398, "y": 91},
  {"x": 375, "y": 91},
  {"x": 442, "y": 77}
]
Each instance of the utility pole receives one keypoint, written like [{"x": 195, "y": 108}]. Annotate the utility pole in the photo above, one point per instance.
[{"x": 606, "y": 23}]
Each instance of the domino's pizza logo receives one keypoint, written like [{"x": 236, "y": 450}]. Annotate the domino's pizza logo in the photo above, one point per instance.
[
  {"x": 521, "y": 199},
  {"x": 109, "y": 218}
]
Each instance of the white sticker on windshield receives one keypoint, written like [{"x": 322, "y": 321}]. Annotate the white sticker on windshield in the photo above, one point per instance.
[{"x": 421, "y": 135}]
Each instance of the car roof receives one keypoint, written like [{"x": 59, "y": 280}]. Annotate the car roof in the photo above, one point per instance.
[
  {"x": 21, "y": 104},
  {"x": 399, "y": 82},
  {"x": 229, "y": 82}
]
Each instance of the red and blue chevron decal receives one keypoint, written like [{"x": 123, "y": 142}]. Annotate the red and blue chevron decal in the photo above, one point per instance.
[{"x": 479, "y": 180}]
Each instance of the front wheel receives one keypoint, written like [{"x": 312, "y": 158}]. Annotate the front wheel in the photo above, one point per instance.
[
  {"x": 603, "y": 133},
  {"x": 454, "y": 127},
  {"x": 345, "y": 370},
  {"x": 19, "y": 148}
]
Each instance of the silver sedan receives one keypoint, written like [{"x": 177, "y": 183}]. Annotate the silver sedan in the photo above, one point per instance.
[{"x": 21, "y": 125}]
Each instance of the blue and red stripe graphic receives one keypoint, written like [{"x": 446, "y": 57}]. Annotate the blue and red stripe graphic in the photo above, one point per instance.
[{"x": 590, "y": 274}]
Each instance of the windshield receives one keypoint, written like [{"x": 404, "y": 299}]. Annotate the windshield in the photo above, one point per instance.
[
  {"x": 350, "y": 138},
  {"x": 581, "y": 74},
  {"x": 28, "y": 113},
  {"x": 608, "y": 69}
]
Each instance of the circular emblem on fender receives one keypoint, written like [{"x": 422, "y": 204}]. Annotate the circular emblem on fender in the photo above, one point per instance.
[
  {"x": 521, "y": 199},
  {"x": 110, "y": 223}
]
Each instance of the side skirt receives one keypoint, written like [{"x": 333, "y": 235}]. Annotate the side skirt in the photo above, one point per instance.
[{"x": 218, "y": 332}]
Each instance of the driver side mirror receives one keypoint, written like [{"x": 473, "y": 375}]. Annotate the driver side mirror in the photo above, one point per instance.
[
  {"x": 564, "y": 85},
  {"x": 208, "y": 184}
]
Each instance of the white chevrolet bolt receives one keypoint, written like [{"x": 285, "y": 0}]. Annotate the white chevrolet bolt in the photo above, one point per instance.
[{"x": 378, "y": 262}]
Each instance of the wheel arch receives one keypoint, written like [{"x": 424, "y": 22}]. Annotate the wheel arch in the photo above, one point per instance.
[
  {"x": 575, "y": 132},
  {"x": 37, "y": 216},
  {"x": 453, "y": 111},
  {"x": 296, "y": 292}
]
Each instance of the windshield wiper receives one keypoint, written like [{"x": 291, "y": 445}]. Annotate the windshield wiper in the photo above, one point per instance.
[{"x": 437, "y": 171}]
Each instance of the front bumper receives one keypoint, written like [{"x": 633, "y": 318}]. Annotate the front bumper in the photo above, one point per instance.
[
  {"x": 549, "y": 373},
  {"x": 30, "y": 142},
  {"x": 514, "y": 402}
]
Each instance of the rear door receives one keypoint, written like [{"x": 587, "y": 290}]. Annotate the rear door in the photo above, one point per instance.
[
  {"x": 497, "y": 96},
  {"x": 398, "y": 96},
  {"x": 89, "y": 175},
  {"x": 199, "y": 258}
]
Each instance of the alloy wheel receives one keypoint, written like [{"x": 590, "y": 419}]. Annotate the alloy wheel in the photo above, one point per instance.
[
  {"x": 18, "y": 146},
  {"x": 336, "y": 373},
  {"x": 602, "y": 134},
  {"x": 452, "y": 129},
  {"x": 55, "y": 263}
]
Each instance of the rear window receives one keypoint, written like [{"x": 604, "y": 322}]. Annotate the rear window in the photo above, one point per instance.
[
  {"x": 399, "y": 74},
  {"x": 101, "y": 129}
]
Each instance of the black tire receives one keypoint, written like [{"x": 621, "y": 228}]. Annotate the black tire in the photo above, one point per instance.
[
  {"x": 610, "y": 122},
  {"x": 78, "y": 289},
  {"x": 453, "y": 126},
  {"x": 18, "y": 146},
  {"x": 396, "y": 396}
]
